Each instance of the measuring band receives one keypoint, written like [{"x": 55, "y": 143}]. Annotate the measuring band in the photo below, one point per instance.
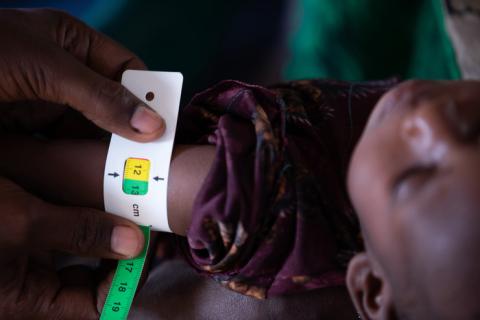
[
  {"x": 136, "y": 174},
  {"x": 125, "y": 283},
  {"x": 136, "y": 179}
]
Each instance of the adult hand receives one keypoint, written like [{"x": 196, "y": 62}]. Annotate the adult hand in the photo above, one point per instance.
[
  {"x": 50, "y": 56},
  {"x": 31, "y": 229}
]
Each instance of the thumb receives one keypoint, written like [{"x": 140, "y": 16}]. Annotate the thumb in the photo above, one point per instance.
[
  {"x": 107, "y": 103},
  {"x": 86, "y": 232}
]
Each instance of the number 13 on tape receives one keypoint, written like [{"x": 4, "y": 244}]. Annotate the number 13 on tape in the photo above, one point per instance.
[
  {"x": 136, "y": 179},
  {"x": 136, "y": 174}
]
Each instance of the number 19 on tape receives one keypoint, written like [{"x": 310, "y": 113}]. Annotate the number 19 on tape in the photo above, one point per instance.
[{"x": 124, "y": 284}]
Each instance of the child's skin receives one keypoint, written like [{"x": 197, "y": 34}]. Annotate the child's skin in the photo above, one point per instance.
[
  {"x": 420, "y": 214},
  {"x": 71, "y": 172}
]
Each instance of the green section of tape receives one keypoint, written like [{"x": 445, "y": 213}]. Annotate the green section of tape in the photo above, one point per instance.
[
  {"x": 135, "y": 187},
  {"x": 124, "y": 284}
]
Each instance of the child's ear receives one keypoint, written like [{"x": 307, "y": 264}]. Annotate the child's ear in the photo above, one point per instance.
[{"x": 370, "y": 292}]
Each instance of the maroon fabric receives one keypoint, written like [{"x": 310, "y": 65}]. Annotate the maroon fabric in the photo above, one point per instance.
[{"x": 273, "y": 215}]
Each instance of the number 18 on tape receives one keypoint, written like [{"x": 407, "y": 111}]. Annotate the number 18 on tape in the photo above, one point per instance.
[
  {"x": 140, "y": 194},
  {"x": 124, "y": 284}
]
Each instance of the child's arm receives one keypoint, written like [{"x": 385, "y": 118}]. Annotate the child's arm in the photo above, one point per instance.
[{"x": 71, "y": 172}]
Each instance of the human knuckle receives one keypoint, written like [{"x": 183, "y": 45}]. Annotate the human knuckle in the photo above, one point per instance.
[
  {"x": 109, "y": 89},
  {"x": 107, "y": 94},
  {"x": 97, "y": 42},
  {"x": 41, "y": 80},
  {"x": 73, "y": 38},
  {"x": 89, "y": 232}
]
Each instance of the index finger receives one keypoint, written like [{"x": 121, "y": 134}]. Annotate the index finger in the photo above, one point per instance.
[
  {"x": 93, "y": 49},
  {"x": 97, "y": 51},
  {"x": 109, "y": 58}
]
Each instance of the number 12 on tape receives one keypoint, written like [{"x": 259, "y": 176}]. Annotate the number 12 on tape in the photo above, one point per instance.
[{"x": 140, "y": 193}]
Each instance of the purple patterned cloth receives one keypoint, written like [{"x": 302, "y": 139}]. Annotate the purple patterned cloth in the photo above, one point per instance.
[{"x": 273, "y": 215}]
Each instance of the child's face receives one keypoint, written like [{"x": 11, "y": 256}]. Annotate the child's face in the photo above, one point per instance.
[{"x": 414, "y": 180}]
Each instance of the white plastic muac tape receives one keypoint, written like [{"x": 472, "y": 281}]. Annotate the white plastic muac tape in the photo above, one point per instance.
[{"x": 136, "y": 174}]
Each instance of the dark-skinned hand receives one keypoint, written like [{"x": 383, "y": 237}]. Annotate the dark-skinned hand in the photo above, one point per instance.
[{"x": 51, "y": 63}]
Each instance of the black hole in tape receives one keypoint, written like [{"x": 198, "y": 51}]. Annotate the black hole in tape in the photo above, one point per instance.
[{"x": 150, "y": 96}]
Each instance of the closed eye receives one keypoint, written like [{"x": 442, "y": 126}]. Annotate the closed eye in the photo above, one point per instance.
[{"x": 411, "y": 181}]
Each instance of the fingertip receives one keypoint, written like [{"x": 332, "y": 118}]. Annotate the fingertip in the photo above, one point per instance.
[
  {"x": 127, "y": 241},
  {"x": 146, "y": 121}
]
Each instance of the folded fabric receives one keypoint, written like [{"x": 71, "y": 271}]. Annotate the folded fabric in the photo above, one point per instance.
[{"x": 273, "y": 215}]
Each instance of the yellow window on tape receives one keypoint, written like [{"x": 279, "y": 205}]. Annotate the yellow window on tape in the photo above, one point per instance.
[{"x": 135, "y": 176}]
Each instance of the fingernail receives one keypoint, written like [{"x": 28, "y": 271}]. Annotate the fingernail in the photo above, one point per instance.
[
  {"x": 145, "y": 120},
  {"x": 125, "y": 241}
]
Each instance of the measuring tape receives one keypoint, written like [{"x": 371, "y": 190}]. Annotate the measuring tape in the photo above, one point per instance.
[
  {"x": 140, "y": 193},
  {"x": 125, "y": 283}
]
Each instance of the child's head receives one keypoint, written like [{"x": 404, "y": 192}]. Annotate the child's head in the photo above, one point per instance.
[{"x": 414, "y": 180}]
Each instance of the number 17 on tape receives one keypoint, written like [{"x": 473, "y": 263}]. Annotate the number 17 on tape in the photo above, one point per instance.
[{"x": 124, "y": 284}]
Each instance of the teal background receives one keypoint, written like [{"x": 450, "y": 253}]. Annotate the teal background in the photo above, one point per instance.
[{"x": 265, "y": 41}]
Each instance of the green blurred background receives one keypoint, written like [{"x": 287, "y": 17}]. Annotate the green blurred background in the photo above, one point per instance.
[{"x": 266, "y": 41}]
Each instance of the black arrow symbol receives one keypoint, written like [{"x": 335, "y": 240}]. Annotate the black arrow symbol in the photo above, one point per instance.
[
  {"x": 158, "y": 178},
  {"x": 113, "y": 174}
]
